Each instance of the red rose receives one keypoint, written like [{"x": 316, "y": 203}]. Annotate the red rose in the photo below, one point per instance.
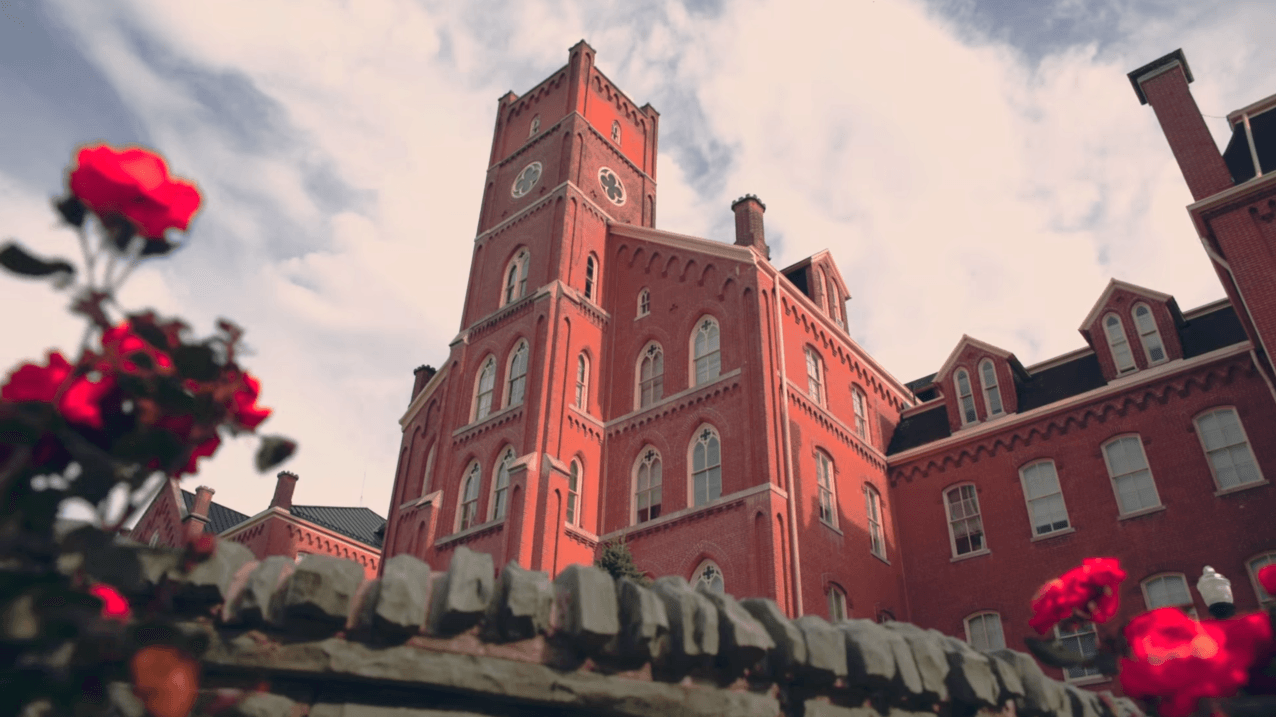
[
  {"x": 133, "y": 183},
  {"x": 246, "y": 411},
  {"x": 166, "y": 680},
  {"x": 1094, "y": 581},
  {"x": 1181, "y": 661},
  {"x": 114, "y": 605},
  {"x": 121, "y": 341},
  {"x": 80, "y": 402},
  {"x": 184, "y": 428},
  {"x": 1267, "y": 578},
  {"x": 203, "y": 450}
]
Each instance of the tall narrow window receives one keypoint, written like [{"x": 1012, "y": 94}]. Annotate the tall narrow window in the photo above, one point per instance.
[
  {"x": 1081, "y": 640},
  {"x": 1045, "y": 499},
  {"x": 591, "y": 277},
  {"x": 1148, "y": 334},
  {"x": 644, "y": 302},
  {"x": 873, "y": 508},
  {"x": 501, "y": 486},
  {"x": 1168, "y": 591},
  {"x": 708, "y": 358},
  {"x": 651, "y": 375},
  {"x": 428, "y": 477},
  {"x": 647, "y": 486},
  {"x": 859, "y": 403},
  {"x": 836, "y": 309},
  {"x": 582, "y": 381},
  {"x": 992, "y": 394},
  {"x": 573, "y": 493},
  {"x": 824, "y": 477},
  {"x": 814, "y": 376},
  {"x": 983, "y": 632},
  {"x": 837, "y": 604},
  {"x": 484, "y": 389},
  {"x": 1254, "y": 566},
  {"x": 965, "y": 397},
  {"x": 1118, "y": 343},
  {"x": 708, "y": 577},
  {"x": 965, "y": 527},
  {"x": 821, "y": 297},
  {"x": 516, "y": 278},
  {"x": 536, "y": 126},
  {"x": 1131, "y": 479},
  {"x": 706, "y": 467},
  {"x": 469, "y": 497},
  {"x": 615, "y": 132},
  {"x": 1227, "y": 449},
  {"x": 517, "y": 384}
]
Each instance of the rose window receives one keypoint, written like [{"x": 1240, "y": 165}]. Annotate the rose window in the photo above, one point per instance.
[
  {"x": 526, "y": 179},
  {"x": 612, "y": 187}
]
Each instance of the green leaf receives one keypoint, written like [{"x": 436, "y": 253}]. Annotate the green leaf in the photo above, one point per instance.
[
  {"x": 273, "y": 451},
  {"x": 196, "y": 361},
  {"x": 72, "y": 210},
  {"x": 23, "y": 263}
]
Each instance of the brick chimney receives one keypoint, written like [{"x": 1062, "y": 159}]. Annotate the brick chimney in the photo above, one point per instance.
[
  {"x": 1162, "y": 83},
  {"x": 748, "y": 223},
  {"x": 284, "y": 486},
  {"x": 197, "y": 518},
  {"x": 422, "y": 375}
]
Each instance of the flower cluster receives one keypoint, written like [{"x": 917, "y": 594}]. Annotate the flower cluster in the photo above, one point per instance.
[{"x": 1087, "y": 592}]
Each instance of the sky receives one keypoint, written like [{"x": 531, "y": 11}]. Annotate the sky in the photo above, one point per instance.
[{"x": 976, "y": 167}]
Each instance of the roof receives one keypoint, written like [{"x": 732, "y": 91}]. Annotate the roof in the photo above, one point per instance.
[
  {"x": 220, "y": 518},
  {"x": 1059, "y": 382},
  {"x": 360, "y": 524},
  {"x": 920, "y": 429},
  {"x": 1207, "y": 332}
]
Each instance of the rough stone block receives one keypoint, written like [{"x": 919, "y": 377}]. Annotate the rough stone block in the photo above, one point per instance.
[
  {"x": 693, "y": 625},
  {"x": 790, "y": 645},
  {"x": 1042, "y": 695},
  {"x": 588, "y": 613},
  {"x": 208, "y": 583},
  {"x": 932, "y": 663},
  {"x": 1084, "y": 702},
  {"x": 743, "y": 641},
  {"x": 320, "y": 592},
  {"x": 461, "y": 596},
  {"x": 402, "y": 598},
  {"x": 252, "y": 604},
  {"x": 644, "y": 624},
  {"x": 521, "y": 607},
  {"x": 970, "y": 674},
  {"x": 871, "y": 657},
  {"x": 260, "y": 704},
  {"x": 825, "y": 650},
  {"x": 816, "y": 708},
  {"x": 1008, "y": 680}
]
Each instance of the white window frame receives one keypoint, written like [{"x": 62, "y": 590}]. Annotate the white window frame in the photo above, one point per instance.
[
  {"x": 711, "y": 358},
  {"x": 965, "y": 397},
  {"x": 515, "y": 286},
  {"x": 1113, "y": 476},
  {"x": 859, "y": 404},
  {"x": 498, "y": 503},
  {"x": 582, "y": 381},
  {"x": 644, "y": 302},
  {"x": 575, "y": 476},
  {"x": 468, "y": 497},
  {"x": 977, "y": 633},
  {"x": 1188, "y": 606},
  {"x": 1029, "y": 500},
  {"x": 615, "y": 132},
  {"x": 822, "y": 299},
  {"x": 992, "y": 393},
  {"x": 1244, "y": 442},
  {"x": 873, "y": 511},
  {"x": 837, "y": 604},
  {"x": 814, "y": 376},
  {"x": 1150, "y": 337},
  {"x": 517, "y": 380},
  {"x": 652, "y": 353},
  {"x": 487, "y": 371},
  {"x": 650, "y": 459},
  {"x": 705, "y": 574},
  {"x": 978, "y": 515},
  {"x": 591, "y": 278},
  {"x": 825, "y": 480},
  {"x": 1081, "y": 675},
  {"x": 704, "y": 436},
  {"x": 1118, "y": 343},
  {"x": 427, "y": 477},
  {"x": 1267, "y": 557}
]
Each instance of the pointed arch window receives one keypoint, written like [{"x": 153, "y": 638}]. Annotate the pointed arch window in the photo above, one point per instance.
[
  {"x": 1149, "y": 335},
  {"x": 591, "y": 278},
  {"x": 983, "y": 632},
  {"x": 965, "y": 526},
  {"x": 644, "y": 303},
  {"x": 615, "y": 131},
  {"x": 873, "y": 508},
  {"x": 821, "y": 297},
  {"x": 1226, "y": 447},
  {"x": 708, "y": 578},
  {"x": 992, "y": 394},
  {"x": 1131, "y": 477},
  {"x": 651, "y": 375},
  {"x": 814, "y": 376},
  {"x": 516, "y": 278},
  {"x": 860, "y": 404},
  {"x": 516, "y": 385},
  {"x": 574, "y": 477},
  {"x": 706, "y": 351},
  {"x": 582, "y": 381},
  {"x": 1118, "y": 343},
  {"x": 965, "y": 397},
  {"x": 484, "y": 388},
  {"x": 837, "y": 604},
  {"x": 536, "y": 126},
  {"x": 1041, "y": 489},
  {"x": 467, "y": 515},
  {"x": 501, "y": 485},
  {"x": 824, "y": 477},
  {"x": 706, "y": 467},
  {"x": 647, "y": 486},
  {"x": 427, "y": 478}
]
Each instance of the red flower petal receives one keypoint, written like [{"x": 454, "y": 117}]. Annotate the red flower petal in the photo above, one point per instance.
[
  {"x": 135, "y": 184},
  {"x": 1096, "y": 579},
  {"x": 1267, "y": 578},
  {"x": 114, "y": 605},
  {"x": 36, "y": 383},
  {"x": 203, "y": 450},
  {"x": 247, "y": 413},
  {"x": 81, "y": 403}
]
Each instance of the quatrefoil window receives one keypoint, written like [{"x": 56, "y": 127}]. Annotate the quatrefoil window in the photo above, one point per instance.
[
  {"x": 612, "y": 187},
  {"x": 526, "y": 180}
]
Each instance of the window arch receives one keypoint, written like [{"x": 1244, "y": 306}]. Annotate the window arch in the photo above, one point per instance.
[
  {"x": 992, "y": 394},
  {"x": 814, "y": 376},
  {"x": 1149, "y": 335},
  {"x": 650, "y": 375},
  {"x": 708, "y": 578},
  {"x": 837, "y": 603},
  {"x": 1227, "y": 448},
  {"x": 467, "y": 511},
  {"x": 484, "y": 387},
  {"x": 860, "y": 404},
  {"x": 965, "y": 525},
  {"x": 591, "y": 278},
  {"x": 647, "y": 485},
  {"x": 983, "y": 631},
  {"x": 965, "y": 397},
  {"x": 644, "y": 303},
  {"x": 1131, "y": 477},
  {"x": 705, "y": 351},
  {"x": 427, "y": 477},
  {"x": 1118, "y": 343},
  {"x": 536, "y": 126},
  {"x": 575, "y": 475},
  {"x": 824, "y": 478},
  {"x": 1255, "y": 564},
  {"x": 516, "y": 375},
  {"x": 1041, "y": 490},
  {"x": 501, "y": 485},
  {"x": 873, "y": 509},
  {"x": 1168, "y": 590},
  {"x": 582, "y": 381},
  {"x": 516, "y": 278},
  {"x": 706, "y": 466},
  {"x": 615, "y": 131}
]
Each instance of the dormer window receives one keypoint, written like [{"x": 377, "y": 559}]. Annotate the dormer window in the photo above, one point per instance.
[
  {"x": 1118, "y": 343},
  {"x": 992, "y": 394},
  {"x": 1148, "y": 334},
  {"x": 965, "y": 397}
]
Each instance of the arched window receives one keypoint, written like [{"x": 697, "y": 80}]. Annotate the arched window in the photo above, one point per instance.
[
  {"x": 582, "y": 381},
  {"x": 965, "y": 397},
  {"x": 484, "y": 388},
  {"x": 1227, "y": 448},
  {"x": 706, "y": 467},
  {"x": 615, "y": 131},
  {"x": 708, "y": 578},
  {"x": 516, "y": 385},
  {"x": 1148, "y": 334},
  {"x": 516, "y": 278},
  {"x": 1081, "y": 640},
  {"x": 1045, "y": 499},
  {"x": 647, "y": 482},
  {"x": 983, "y": 631},
  {"x": 467, "y": 515},
  {"x": 591, "y": 278},
  {"x": 536, "y": 126},
  {"x": 651, "y": 375},
  {"x": 1131, "y": 478},
  {"x": 1168, "y": 590},
  {"x": 821, "y": 296},
  {"x": 705, "y": 351},
  {"x": 873, "y": 507},
  {"x": 965, "y": 527},
  {"x": 154, "y": 539},
  {"x": 574, "y": 477},
  {"x": 992, "y": 394},
  {"x": 1118, "y": 343},
  {"x": 1256, "y": 564},
  {"x": 824, "y": 477},
  {"x": 428, "y": 476},
  {"x": 837, "y": 604},
  {"x": 644, "y": 302},
  {"x": 814, "y": 376},
  {"x": 501, "y": 486},
  {"x": 860, "y": 404}
]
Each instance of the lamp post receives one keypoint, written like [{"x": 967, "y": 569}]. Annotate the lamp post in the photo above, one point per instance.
[{"x": 1216, "y": 590}]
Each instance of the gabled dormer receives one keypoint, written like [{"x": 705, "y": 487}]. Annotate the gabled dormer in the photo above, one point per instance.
[
  {"x": 817, "y": 277},
  {"x": 1132, "y": 329},
  {"x": 979, "y": 383}
]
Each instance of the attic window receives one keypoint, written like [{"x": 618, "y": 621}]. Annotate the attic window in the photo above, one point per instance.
[
  {"x": 1252, "y": 150},
  {"x": 1148, "y": 334},
  {"x": 965, "y": 398},
  {"x": 1119, "y": 344}
]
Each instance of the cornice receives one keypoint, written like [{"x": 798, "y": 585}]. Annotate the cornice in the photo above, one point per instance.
[
  {"x": 1240, "y": 194},
  {"x": 524, "y": 213},
  {"x": 665, "y": 522},
  {"x": 835, "y": 426},
  {"x": 286, "y": 517},
  {"x": 471, "y": 431},
  {"x": 672, "y": 404},
  {"x": 685, "y": 242},
  {"x": 586, "y": 424},
  {"x": 472, "y": 533}
]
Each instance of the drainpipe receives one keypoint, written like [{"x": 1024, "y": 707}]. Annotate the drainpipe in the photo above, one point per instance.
[
  {"x": 1252, "y": 353},
  {"x": 788, "y": 457}
]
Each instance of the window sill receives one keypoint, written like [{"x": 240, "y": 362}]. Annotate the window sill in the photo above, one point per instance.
[
  {"x": 832, "y": 527},
  {"x": 1140, "y": 513},
  {"x": 879, "y": 557},
  {"x": 1088, "y": 680},
  {"x": 968, "y": 556},
  {"x": 472, "y": 530},
  {"x": 1240, "y": 488},
  {"x": 1054, "y": 534},
  {"x": 489, "y": 418},
  {"x": 579, "y": 531}
]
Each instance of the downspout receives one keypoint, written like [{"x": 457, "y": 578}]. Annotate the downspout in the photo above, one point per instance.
[
  {"x": 1253, "y": 354},
  {"x": 788, "y": 458}
]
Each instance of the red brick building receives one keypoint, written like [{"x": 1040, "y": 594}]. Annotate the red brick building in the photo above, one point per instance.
[
  {"x": 612, "y": 381},
  {"x": 284, "y": 529}
]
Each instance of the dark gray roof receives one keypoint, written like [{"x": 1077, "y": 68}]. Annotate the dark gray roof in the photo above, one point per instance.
[
  {"x": 919, "y": 429},
  {"x": 360, "y": 524},
  {"x": 1059, "y": 382},
  {"x": 1208, "y": 332},
  {"x": 220, "y": 518},
  {"x": 922, "y": 382}
]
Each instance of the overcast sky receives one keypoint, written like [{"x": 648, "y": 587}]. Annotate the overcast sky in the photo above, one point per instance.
[{"x": 979, "y": 166}]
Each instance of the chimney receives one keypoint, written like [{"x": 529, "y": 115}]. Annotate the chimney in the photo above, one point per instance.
[
  {"x": 286, "y": 484},
  {"x": 197, "y": 518},
  {"x": 748, "y": 223},
  {"x": 422, "y": 375},
  {"x": 1162, "y": 83}
]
